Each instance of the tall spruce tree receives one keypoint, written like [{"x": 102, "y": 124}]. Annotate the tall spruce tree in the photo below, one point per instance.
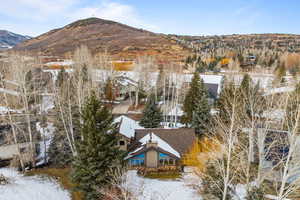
[
  {"x": 196, "y": 107},
  {"x": 292, "y": 110},
  {"x": 251, "y": 99},
  {"x": 98, "y": 156},
  {"x": 224, "y": 103},
  {"x": 152, "y": 116}
]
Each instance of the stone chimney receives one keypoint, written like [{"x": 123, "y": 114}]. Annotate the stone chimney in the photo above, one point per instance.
[{"x": 151, "y": 143}]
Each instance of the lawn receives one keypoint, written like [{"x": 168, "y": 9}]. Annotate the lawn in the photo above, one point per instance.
[{"x": 62, "y": 175}]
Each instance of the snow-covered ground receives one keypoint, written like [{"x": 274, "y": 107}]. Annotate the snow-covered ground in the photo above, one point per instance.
[
  {"x": 30, "y": 188},
  {"x": 5, "y": 110},
  {"x": 149, "y": 189}
]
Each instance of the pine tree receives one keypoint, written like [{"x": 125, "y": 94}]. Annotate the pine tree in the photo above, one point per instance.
[
  {"x": 59, "y": 152},
  {"x": 196, "y": 107},
  {"x": 109, "y": 90},
  {"x": 251, "y": 98},
  {"x": 62, "y": 77},
  {"x": 224, "y": 103},
  {"x": 280, "y": 72},
  {"x": 160, "y": 83},
  {"x": 152, "y": 116},
  {"x": 292, "y": 110},
  {"x": 98, "y": 156}
]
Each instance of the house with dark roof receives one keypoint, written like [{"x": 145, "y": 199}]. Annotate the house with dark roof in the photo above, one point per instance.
[
  {"x": 158, "y": 147},
  {"x": 213, "y": 83}
]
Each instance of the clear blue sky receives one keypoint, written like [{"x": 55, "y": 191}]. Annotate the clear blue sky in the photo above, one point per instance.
[{"x": 194, "y": 17}]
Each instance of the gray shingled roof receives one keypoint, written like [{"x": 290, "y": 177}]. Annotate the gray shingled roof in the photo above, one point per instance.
[{"x": 180, "y": 139}]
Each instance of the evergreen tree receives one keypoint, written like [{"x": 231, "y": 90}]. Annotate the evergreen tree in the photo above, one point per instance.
[
  {"x": 160, "y": 83},
  {"x": 250, "y": 97},
  {"x": 98, "y": 156},
  {"x": 224, "y": 103},
  {"x": 152, "y": 116},
  {"x": 109, "y": 90},
  {"x": 280, "y": 72},
  {"x": 196, "y": 107},
  {"x": 59, "y": 152},
  {"x": 62, "y": 77},
  {"x": 292, "y": 110}
]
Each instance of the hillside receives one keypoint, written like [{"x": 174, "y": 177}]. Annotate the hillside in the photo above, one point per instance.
[
  {"x": 272, "y": 41},
  {"x": 119, "y": 40},
  {"x": 9, "y": 39}
]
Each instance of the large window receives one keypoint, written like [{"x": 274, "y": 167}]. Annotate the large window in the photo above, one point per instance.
[
  {"x": 138, "y": 160},
  {"x": 164, "y": 159}
]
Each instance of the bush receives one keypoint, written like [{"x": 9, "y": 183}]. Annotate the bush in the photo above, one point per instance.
[
  {"x": 3, "y": 180},
  {"x": 213, "y": 184},
  {"x": 255, "y": 194}
]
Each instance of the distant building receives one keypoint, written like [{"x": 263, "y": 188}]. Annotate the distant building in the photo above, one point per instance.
[{"x": 213, "y": 83}]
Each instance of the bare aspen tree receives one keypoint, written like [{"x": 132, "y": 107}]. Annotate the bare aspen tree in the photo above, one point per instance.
[
  {"x": 144, "y": 66},
  {"x": 12, "y": 123},
  {"x": 21, "y": 66}
]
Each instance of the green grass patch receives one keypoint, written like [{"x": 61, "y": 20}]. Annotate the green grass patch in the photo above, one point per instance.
[
  {"x": 62, "y": 176},
  {"x": 156, "y": 175}
]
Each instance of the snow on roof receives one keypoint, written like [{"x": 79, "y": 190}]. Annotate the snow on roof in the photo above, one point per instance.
[
  {"x": 11, "y": 92},
  {"x": 273, "y": 197},
  {"x": 127, "y": 126},
  {"x": 160, "y": 143},
  {"x": 277, "y": 114},
  {"x": 61, "y": 63},
  {"x": 5, "y": 110},
  {"x": 279, "y": 90},
  {"x": 176, "y": 111},
  {"x": 207, "y": 78},
  {"x": 264, "y": 80}
]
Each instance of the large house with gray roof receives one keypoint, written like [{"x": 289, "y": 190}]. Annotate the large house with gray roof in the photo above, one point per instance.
[{"x": 158, "y": 147}]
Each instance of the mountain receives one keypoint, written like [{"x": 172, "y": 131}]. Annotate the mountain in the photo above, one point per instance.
[
  {"x": 9, "y": 39},
  {"x": 119, "y": 40}
]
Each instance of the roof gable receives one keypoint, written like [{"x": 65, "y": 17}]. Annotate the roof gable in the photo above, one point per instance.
[
  {"x": 162, "y": 146},
  {"x": 180, "y": 139},
  {"x": 127, "y": 126}
]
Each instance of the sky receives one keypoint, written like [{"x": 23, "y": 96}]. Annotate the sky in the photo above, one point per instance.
[{"x": 184, "y": 17}]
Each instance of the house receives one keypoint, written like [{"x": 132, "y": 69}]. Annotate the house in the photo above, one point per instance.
[
  {"x": 213, "y": 83},
  {"x": 126, "y": 128},
  {"x": 154, "y": 148}
]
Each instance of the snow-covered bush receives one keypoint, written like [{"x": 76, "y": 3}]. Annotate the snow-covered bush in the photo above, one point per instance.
[{"x": 3, "y": 180}]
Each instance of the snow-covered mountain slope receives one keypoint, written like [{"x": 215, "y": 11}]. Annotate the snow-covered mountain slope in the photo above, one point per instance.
[{"x": 8, "y": 39}]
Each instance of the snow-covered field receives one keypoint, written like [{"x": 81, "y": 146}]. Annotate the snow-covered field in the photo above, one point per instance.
[
  {"x": 150, "y": 189},
  {"x": 30, "y": 188}
]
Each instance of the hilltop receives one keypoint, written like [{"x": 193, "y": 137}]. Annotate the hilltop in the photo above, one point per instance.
[
  {"x": 9, "y": 39},
  {"x": 119, "y": 40}
]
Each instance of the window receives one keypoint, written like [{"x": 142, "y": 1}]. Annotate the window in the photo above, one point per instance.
[{"x": 122, "y": 143}]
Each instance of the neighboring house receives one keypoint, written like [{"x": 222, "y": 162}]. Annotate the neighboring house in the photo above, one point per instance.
[
  {"x": 125, "y": 87},
  {"x": 154, "y": 148},
  {"x": 213, "y": 83},
  {"x": 126, "y": 128}
]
